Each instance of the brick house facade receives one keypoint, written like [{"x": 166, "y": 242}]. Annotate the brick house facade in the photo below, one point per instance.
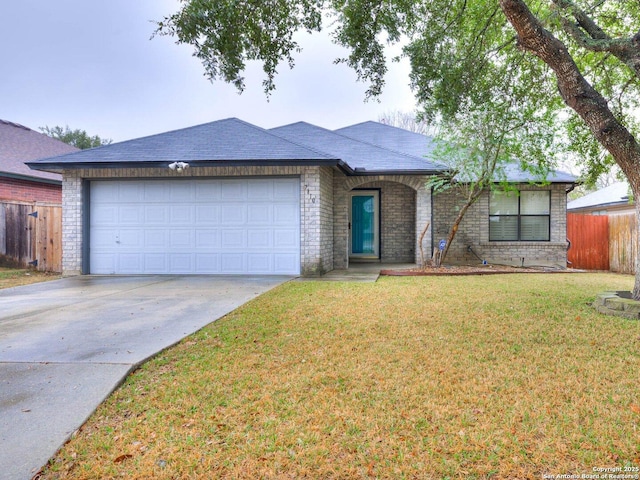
[{"x": 327, "y": 183}]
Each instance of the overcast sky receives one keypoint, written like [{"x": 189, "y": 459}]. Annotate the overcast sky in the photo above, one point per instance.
[{"x": 92, "y": 65}]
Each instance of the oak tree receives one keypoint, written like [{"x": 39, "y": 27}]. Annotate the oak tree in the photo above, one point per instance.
[{"x": 577, "y": 59}]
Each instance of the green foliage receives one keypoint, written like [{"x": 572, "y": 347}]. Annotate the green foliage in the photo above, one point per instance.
[
  {"x": 463, "y": 53},
  {"x": 78, "y": 138}
]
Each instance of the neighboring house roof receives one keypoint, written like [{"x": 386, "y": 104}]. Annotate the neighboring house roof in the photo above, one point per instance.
[
  {"x": 362, "y": 157},
  {"x": 613, "y": 195},
  {"x": 19, "y": 144},
  {"x": 225, "y": 142},
  {"x": 367, "y": 148}
]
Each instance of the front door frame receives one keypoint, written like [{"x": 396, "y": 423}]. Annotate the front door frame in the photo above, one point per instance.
[{"x": 376, "y": 242}]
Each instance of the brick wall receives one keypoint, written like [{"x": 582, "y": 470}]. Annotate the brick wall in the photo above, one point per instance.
[
  {"x": 316, "y": 212},
  {"x": 71, "y": 224},
  {"x": 404, "y": 203},
  {"x": 26, "y": 191},
  {"x": 474, "y": 232},
  {"x": 326, "y": 218}
]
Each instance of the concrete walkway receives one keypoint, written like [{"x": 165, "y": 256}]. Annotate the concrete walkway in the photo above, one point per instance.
[
  {"x": 358, "y": 272},
  {"x": 66, "y": 345}
]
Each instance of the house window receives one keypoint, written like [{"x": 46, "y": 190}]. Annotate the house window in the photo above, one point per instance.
[{"x": 523, "y": 217}]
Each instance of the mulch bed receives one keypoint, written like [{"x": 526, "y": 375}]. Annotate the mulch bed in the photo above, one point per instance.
[{"x": 470, "y": 270}]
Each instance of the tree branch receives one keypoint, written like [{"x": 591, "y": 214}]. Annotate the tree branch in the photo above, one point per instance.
[
  {"x": 576, "y": 92},
  {"x": 590, "y": 36}
]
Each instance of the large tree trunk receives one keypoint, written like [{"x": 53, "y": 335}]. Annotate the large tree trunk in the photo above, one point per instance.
[{"x": 578, "y": 94}]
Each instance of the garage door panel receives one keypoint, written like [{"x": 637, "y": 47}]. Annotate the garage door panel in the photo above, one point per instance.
[
  {"x": 155, "y": 215},
  {"x": 129, "y": 263},
  {"x": 181, "y": 214},
  {"x": 259, "y": 214},
  {"x": 181, "y": 263},
  {"x": 285, "y": 190},
  {"x": 232, "y": 263},
  {"x": 130, "y": 239},
  {"x": 207, "y": 190},
  {"x": 233, "y": 190},
  {"x": 285, "y": 238},
  {"x": 104, "y": 263},
  {"x": 155, "y": 238},
  {"x": 285, "y": 262},
  {"x": 207, "y": 214},
  {"x": 104, "y": 191},
  {"x": 260, "y": 263},
  {"x": 130, "y": 215},
  {"x": 234, "y": 214},
  {"x": 233, "y": 239},
  {"x": 181, "y": 239},
  {"x": 260, "y": 190},
  {"x": 205, "y": 226},
  {"x": 207, "y": 238},
  {"x": 131, "y": 192},
  {"x": 155, "y": 192},
  {"x": 106, "y": 215},
  {"x": 103, "y": 238},
  {"x": 207, "y": 263},
  {"x": 285, "y": 214},
  {"x": 180, "y": 192},
  {"x": 259, "y": 238}
]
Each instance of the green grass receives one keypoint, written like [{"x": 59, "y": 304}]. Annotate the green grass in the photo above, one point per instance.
[
  {"x": 14, "y": 277},
  {"x": 510, "y": 376}
]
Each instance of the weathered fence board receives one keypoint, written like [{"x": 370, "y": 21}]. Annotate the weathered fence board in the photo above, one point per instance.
[
  {"x": 30, "y": 239},
  {"x": 589, "y": 237},
  {"x": 623, "y": 243}
]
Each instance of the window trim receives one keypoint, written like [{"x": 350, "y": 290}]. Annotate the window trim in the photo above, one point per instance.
[{"x": 519, "y": 216}]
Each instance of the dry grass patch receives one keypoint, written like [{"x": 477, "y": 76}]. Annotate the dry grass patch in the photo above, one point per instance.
[
  {"x": 15, "y": 277},
  {"x": 450, "y": 377}
]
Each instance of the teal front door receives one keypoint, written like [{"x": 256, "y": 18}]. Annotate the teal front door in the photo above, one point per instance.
[{"x": 364, "y": 220}]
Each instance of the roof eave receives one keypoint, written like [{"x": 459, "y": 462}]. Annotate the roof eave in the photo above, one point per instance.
[
  {"x": 30, "y": 178},
  {"x": 57, "y": 167},
  {"x": 369, "y": 173}
]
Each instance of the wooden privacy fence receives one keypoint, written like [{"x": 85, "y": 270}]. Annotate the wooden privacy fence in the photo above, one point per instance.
[
  {"x": 589, "y": 237},
  {"x": 623, "y": 243},
  {"x": 31, "y": 234},
  {"x": 601, "y": 242}
]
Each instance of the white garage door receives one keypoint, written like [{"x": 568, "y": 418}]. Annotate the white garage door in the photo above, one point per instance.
[{"x": 208, "y": 226}]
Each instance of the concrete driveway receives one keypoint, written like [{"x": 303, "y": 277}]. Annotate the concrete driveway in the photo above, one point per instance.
[{"x": 66, "y": 345}]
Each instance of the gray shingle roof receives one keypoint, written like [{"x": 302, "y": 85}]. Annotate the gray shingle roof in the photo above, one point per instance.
[
  {"x": 19, "y": 144},
  {"x": 391, "y": 138},
  {"x": 369, "y": 147},
  {"x": 359, "y": 155},
  {"x": 401, "y": 140},
  {"x": 222, "y": 141},
  {"x": 515, "y": 174}
]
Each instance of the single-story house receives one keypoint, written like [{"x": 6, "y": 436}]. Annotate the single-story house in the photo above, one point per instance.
[
  {"x": 19, "y": 144},
  {"x": 229, "y": 197},
  {"x": 614, "y": 199}
]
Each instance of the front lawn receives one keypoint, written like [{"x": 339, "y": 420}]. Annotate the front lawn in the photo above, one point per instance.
[
  {"x": 505, "y": 376},
  {"x": 15, "y": 277}
]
